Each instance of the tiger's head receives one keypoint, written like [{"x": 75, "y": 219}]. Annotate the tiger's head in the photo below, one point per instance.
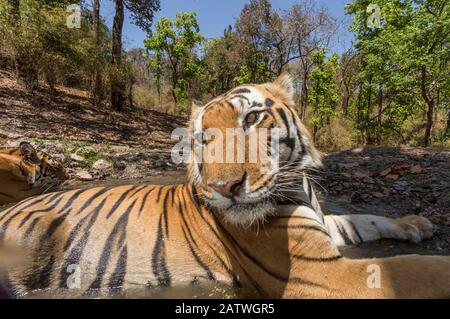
[
  {"x": 243, "y": 187},
  {"x": 40, "y": 169}
]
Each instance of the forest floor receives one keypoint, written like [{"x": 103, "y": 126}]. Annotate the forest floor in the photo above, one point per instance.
[
  {"x": 93, "y": 142},
  {"x": 99, "y": 145}
]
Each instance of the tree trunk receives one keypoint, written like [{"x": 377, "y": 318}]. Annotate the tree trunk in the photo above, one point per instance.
[
  {"x": 117, "y": 87},
  {"x": 367, "y": 120},
  {"x": 379, "y": 116},
  {"x": 96, "y": 25},
  {"x": 430, "y": 102},
  {"x": 25, "y": 70},
  {"x": 345, "y": 100},
  {"x": 304, "y": 97},
  {"x": 447, "y": 130}
]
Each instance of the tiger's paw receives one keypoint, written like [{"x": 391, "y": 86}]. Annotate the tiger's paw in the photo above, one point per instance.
[{"x": 416, "y": 228}]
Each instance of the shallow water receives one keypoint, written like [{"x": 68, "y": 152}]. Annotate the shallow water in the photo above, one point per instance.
[{"x": 382, "y": 248}]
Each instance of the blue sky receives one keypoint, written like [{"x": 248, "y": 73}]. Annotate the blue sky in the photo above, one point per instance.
[{"x": 215, "y": 15}]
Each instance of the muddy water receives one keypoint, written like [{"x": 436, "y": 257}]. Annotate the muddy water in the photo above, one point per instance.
[{"x": 382, "y": 248}]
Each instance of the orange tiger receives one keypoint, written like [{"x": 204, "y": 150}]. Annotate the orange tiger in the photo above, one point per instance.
[
  {"x": 230, "y": 224},
  {"x": 25, "y": 171}
]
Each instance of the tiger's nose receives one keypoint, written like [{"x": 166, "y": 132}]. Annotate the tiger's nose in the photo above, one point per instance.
[{"x": 229, "y": 189}]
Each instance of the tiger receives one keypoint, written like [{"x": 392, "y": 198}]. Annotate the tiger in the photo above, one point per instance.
[
  {"x": 232, "y": 223},
  {"x": 25, "y": 172}
]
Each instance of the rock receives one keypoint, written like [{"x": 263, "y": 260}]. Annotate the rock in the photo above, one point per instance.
[
  {"x": 416, "y": 169},
  {"x": 102, "y": 165},
  {"x": 385, "y": 172},
  {"x": 361, "y": 174},
  {"x": 119, "y": 150},
  {"x": 84, "y": 176},
  {"x": 77, "y": 158},
  {"x": 394, "y": 177},
  {"x": 160, "y": 163},
  {"x": 121, "y": 165},
  {"x": 377, "y": 194},
  {"x": 346, "y": 165},
  {"x": 400, "y": 185},
  {"x": 361, "y": 162}
]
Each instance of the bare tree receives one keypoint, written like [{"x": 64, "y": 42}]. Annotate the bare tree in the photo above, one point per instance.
[{"x": 96, "y": 27}]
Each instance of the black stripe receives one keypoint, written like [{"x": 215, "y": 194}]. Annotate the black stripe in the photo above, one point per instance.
[
  {"x": 120, "y": 225},
  {"x": 89, "y": 201},
  {"x": 356, "y": 231},
  {"x": 190, "y": 239},
  {"x": 117, "y": 278},
  {"x": 159, "y": 266},
  {"x": 285, "y": 120},
  {"x": 36, "y": 200},
  {"x": 182, "y": 203},
  {"x": 208, "y": 271},
  {"x": 297, "y": 130},
  {"x": 137, "y": 190},
  {"x": 72, "y": 199},
  {"x": 242, "y": 97},
  {"x": 76, "y": 252},
  {"x": 74, "y": 232},
  {"x": 144, "y": 200},
  {"x": 250, "y": 256},
  {"x": 240, "y": 91},
  {"x": 317, "y": 259},
  {"x": 120, "y": 200},
  {"x": 158, "y": 196},
  {"x": 230, "y": 105},
  {"x": 166, "y": 210},
  {"x": 39, "y": 277},
  {"x": 53, "y": 227},
  {"x": 196, "y": 201},
  {"x": 46, "y": 210},
  {"x": 343, "y": 232},
  {"x": 27, "y": 233}
]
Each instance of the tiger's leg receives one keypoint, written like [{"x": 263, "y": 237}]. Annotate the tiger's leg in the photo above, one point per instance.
[{"x": 355, "y": 229}]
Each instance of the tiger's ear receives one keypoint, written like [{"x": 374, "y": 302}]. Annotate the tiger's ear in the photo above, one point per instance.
[
  {"x": 195, "y": 108},
  {"x": 284, "y": 82},
  {"x": 28, "y": 153}
]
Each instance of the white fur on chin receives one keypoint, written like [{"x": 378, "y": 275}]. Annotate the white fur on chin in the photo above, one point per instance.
[{"x": 246, "y": 215}]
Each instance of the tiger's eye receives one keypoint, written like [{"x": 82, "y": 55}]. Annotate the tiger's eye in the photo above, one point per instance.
[{"x": 251, "y": 118}]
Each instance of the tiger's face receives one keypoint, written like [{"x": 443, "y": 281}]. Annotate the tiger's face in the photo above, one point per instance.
[
  {"x": 41, "y": 169},
  {"x": 235, "y": 163}
]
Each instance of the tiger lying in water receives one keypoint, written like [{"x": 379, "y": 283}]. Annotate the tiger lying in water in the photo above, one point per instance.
[
  {"x": 25, "y": 171},
  {"x": 159, "y": 236}
]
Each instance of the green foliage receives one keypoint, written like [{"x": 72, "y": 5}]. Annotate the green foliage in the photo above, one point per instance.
[
  {"x": 46, "y": 48},
  {"x": 404, "y": 69},
  {"x": 323, "y": 94},
  {"x": 244, "y": 75},
  {"x": 172, "y": 48}
]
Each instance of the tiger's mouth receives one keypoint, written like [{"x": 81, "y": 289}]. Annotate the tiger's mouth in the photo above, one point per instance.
[
  {"x": 252, "y": 209},
  {"x": 245, "y": 214}
]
